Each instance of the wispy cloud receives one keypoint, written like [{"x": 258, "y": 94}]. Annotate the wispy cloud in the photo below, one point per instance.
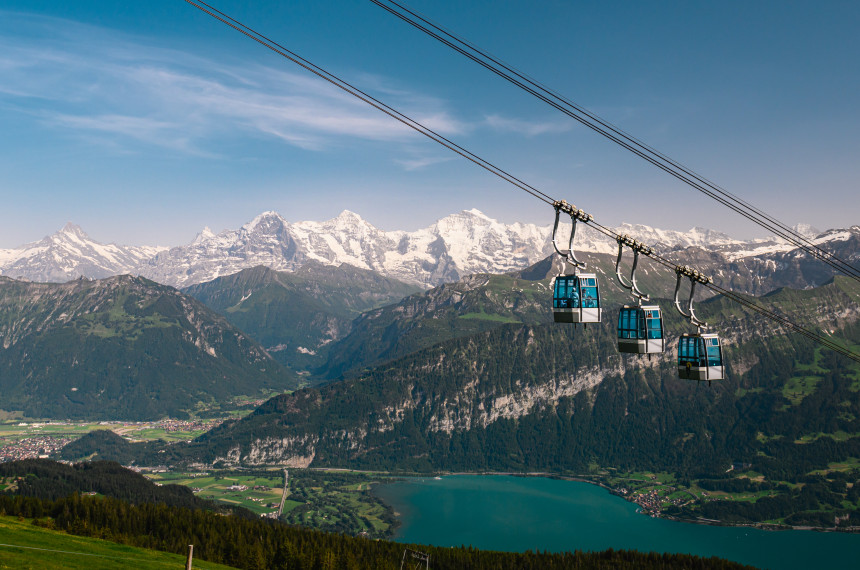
[
  {"x": 418, "y": 163},
  {"x": 94, "y": 82},
  {"x": 527, "y": 128},
  {"x": 141, "y": 129}
]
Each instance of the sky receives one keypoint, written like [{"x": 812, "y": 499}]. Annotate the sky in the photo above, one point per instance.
[{"x": 144, "y": 122}]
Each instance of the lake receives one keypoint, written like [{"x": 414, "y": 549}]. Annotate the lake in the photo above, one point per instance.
[{"x": 500, "y": 512}]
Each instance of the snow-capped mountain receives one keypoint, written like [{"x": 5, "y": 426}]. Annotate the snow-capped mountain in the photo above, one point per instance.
[
  {"x": 455, "y": 246},
  {"x": 68, "y": 254}
]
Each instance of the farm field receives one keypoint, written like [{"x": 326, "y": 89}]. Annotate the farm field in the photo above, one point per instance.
[
  {"x": 328, "y": 500},
  {"x": 167, "y": 429},
  {"x": 260, "y": 493}
]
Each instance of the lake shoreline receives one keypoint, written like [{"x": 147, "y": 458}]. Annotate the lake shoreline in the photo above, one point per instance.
[
  {"x": 582, "y": 479},
  {"x": 518, "y": 512}
]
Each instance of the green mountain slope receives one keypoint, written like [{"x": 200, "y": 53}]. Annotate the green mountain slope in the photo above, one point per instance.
[
  {"x": 475, "y": 304},
  {"x": 450, "y": 406},
  {"x": 552, "y": 398},
  {"x": 121, "y": 348},
  {"x": 485, "y": 302},
  {"x": 297, "y": 315},
  {"x": 535, "y": 396}
]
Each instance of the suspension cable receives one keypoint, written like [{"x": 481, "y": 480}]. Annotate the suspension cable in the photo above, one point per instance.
[
  {"x": 650, "y": 253},
  {"x": 615, "y": 134},
  {"x": 354, "y": 91},
  {"x": 568, "y": 208}
]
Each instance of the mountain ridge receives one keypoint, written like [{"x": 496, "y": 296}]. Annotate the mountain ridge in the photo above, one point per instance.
[
  {"x": 122, "y": 348},
  {"x": 457, "y": 245}
]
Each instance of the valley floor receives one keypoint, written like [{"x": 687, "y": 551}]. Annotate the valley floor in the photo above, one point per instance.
[
  {"x": 330, "y": 500},
  {"x": 339, "y": 500}
]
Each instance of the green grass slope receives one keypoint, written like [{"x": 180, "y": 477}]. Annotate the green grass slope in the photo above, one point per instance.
[{"x": 26, "y": 546}]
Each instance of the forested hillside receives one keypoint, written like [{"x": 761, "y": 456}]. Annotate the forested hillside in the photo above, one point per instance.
[
  {"x": 122, "y": 348},
  {"x": 45, "y": 479},
  {"x": 296, "y": 316},
  {"x": 551, "y": 397}
]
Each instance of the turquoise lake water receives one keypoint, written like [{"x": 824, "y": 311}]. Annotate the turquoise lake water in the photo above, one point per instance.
[{"x": 531, "y": 513}]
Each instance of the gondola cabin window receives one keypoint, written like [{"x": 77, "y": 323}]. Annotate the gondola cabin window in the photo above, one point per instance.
[
  {"x": 654, "y": 323},
  {"x": 566, "y": 295},
  {"x": 589, "y": 292},
  {"x": 715, "y": 357},
  {"x": 631, "y": 323}
]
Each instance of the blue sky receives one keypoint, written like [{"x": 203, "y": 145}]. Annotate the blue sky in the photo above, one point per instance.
[{"x": 145, "y": 122}]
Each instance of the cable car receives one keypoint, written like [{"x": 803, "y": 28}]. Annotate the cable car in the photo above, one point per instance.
[
  {"x": 576, "y": 296},
  {"x": 700, "y": 357},
  {"x": 640, "y": 329},
  {"x": 576, "y": 299}
]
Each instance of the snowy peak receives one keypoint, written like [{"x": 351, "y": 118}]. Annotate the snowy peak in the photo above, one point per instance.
[
  {"x": 806, "y": 230},
  {"x": 205, "y": 234},
  {"x": 266, "y": 223},
  {"x": 348, "y": 218},
  {"x": 670, "y": 239},
  {"x": 73, "y": 230},
  {"x": 474, "y": 212},
  {"x": 346, "y": 222},
  {"x": 70, "y": 253},
  {"x": 457, "y": 245}
]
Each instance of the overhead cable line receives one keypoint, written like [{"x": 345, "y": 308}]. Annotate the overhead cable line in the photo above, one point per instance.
[
  {"x": 615, "y": 134},
  {"x": 579, "y": 214},
  {"x": 740, "y": 299},
  {"x": 354, "y": 91}
]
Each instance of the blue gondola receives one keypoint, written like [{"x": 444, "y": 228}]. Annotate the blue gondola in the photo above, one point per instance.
[
  {"x": 640, "y": 329},
  {"x": 576, "y": 299},
  {"x": 576, "y": 296},
  {"x": 700, "y": 357}
]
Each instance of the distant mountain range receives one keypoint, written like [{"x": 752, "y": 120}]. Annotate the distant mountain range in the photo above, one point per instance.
[{"x": 453, "y": 247}]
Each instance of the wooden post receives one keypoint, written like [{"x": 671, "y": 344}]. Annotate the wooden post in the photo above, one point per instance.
[{"x": 190, "y": 557}]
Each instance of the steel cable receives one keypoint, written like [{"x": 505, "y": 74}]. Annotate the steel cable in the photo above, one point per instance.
[
  {"x": 334, "y": 80},
  {"x": 354, "y": 91},
  {"x": 615, "y": 134}
]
